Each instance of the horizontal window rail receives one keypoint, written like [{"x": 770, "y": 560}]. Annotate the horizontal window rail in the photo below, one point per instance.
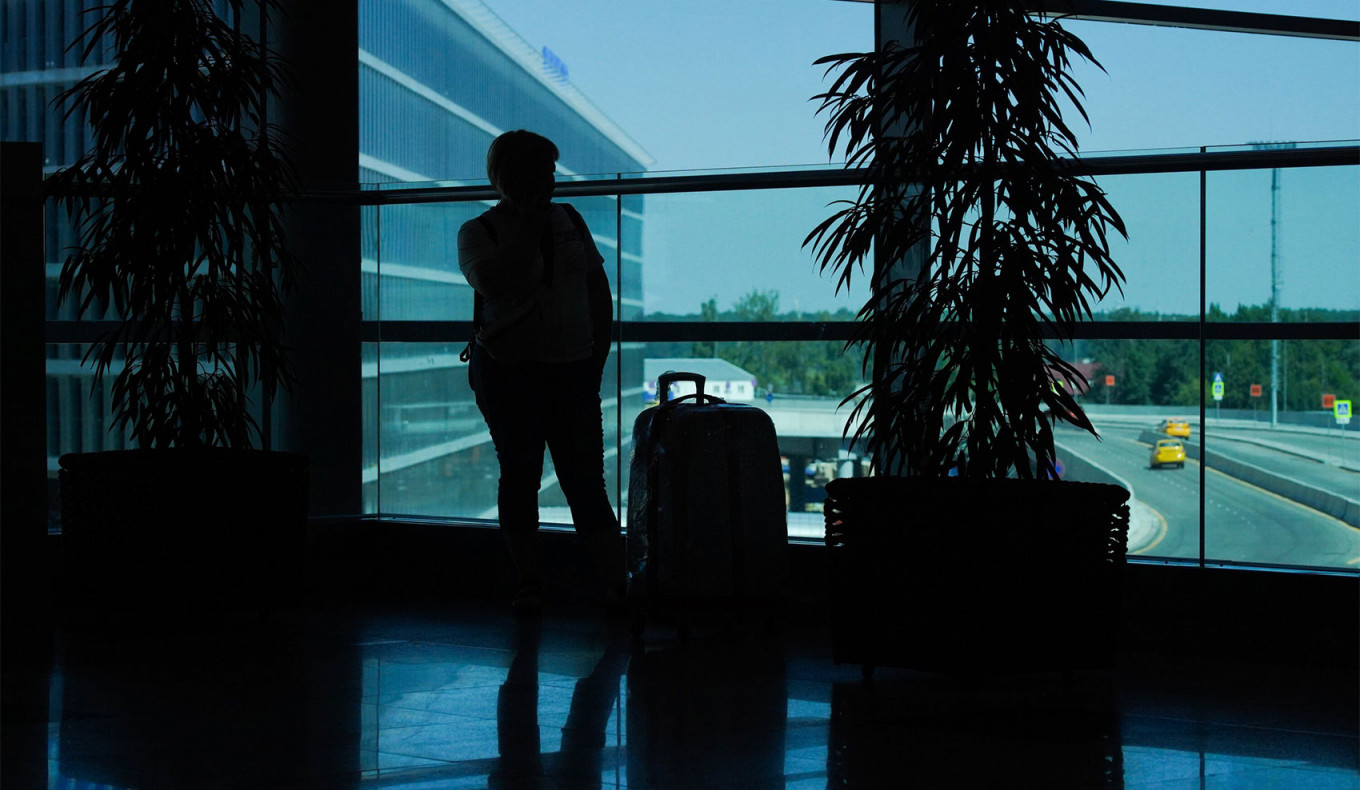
[
  {"x": 1178, "y": 328},
  {"x": 1201, "y": 18},
  {"x": 1311, "y": 155},
  {"x": 1188, "y": 328},
  {"x": 1322, "y": 155}
]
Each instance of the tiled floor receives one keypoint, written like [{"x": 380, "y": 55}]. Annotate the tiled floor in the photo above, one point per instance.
[{"x": 443, "y": 694}]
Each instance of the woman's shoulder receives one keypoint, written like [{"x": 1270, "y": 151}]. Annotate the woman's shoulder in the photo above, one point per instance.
[
  {"x": 481, "y": 226},
  {"x": 481, "y": 220},
  {"x": 566, "y": 212}
]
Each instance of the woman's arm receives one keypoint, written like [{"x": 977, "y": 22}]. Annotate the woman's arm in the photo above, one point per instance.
[{"x": 475, "y": 252}]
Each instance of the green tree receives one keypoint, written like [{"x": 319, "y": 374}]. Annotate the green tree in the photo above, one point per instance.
[
  {"x": 1166, "y": 372},
  {"x": 818, "y": 368},
  {"x": 708, "y": 311}
]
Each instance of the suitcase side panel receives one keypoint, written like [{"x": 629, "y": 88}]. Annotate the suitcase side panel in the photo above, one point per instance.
[{"x": 712, "y": 522}]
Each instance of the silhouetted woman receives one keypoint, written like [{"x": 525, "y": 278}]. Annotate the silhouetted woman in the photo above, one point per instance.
[{"x": 535, "y": 365}]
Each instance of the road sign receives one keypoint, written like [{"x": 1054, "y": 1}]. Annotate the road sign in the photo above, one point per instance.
[
  {"x": 1109, "y": 381},
  {"x": 1218, "y": 390},
  {"x": 1342, "y": 410},
  {"x": 1218, "y": 377},
  {"x": 1328, "y": 401},
  {"x": 1256, "y": 390}
]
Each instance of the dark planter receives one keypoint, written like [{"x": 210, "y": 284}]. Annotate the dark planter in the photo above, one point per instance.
[
  {"x": 195, "y": 528},
  {"x": 964, "y": 575}
]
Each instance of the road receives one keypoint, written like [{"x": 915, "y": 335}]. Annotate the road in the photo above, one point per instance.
[
  {"x": 1243, "y": 523},
  {"x": 1330, "y": 447}
]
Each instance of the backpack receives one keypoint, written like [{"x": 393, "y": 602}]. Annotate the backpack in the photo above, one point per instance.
[{"x": 547, "y": 248}]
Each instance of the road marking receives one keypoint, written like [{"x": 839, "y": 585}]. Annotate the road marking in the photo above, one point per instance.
[
  {"x": 1160, "y": 536},
  {"x": 1330, "y": 518}
]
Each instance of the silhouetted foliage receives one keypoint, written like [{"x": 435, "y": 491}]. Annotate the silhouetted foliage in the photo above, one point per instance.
[
  {"x": 178, "y": 210},
  {"x": 984, "y": 236}
]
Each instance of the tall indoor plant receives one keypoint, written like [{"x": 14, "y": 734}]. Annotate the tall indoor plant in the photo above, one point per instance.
[
  {"x": 178, "y": 208},
  {"x": 988, "y": 248}
]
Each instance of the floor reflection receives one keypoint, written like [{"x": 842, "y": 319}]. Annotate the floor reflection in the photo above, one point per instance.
[
  {"x": 710, "y": 712},
  {"x": 410, "y": 698},
  {"x": 1023, "y": 731},
  {"x": 580, "y": 760}
]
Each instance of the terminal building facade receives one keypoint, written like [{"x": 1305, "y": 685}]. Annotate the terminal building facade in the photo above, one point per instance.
[{"x": 438, "y": 80}]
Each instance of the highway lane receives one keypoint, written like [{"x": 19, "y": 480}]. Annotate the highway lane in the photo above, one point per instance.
[
  {"x": 1242, "y": 523},
  {"x": 1171, "y": 493}
]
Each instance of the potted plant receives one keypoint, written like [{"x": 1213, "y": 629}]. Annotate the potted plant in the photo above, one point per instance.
[
  {"x": 989, "y": 247},
  {"x": 178, "y": 212}
]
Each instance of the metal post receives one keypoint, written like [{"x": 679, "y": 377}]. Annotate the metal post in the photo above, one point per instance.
[
  {"x": 1203, "y": 433},
  {"x": 1274, "y": 294},
  {"x": 1276, "y": 275}
]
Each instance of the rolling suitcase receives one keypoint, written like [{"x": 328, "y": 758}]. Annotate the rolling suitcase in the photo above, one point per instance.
[{"x": 707, "y": 531}]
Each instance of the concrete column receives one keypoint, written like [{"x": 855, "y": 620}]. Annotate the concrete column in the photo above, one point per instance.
[
  {"x": 323, "y": 416},
  {"x": 25, "y": 583}
]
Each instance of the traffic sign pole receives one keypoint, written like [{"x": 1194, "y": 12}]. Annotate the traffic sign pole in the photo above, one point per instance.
[{"x": 1341, "y": 410}]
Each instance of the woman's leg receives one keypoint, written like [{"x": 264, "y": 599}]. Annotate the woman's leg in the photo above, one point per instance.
[
  {"x": 575, "y": 435},
  {"x": 508, "y": 399}
]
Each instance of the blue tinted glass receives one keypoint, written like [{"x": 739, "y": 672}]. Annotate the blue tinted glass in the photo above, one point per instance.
[{"x": 619, "y": 87}]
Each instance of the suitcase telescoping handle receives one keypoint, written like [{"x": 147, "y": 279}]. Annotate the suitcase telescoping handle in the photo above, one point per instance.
[{"x": 665, "y": 380}]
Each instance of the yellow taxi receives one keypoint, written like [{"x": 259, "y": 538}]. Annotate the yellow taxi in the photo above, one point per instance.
[
  {"x": 1175, "y": 427},
  {"x": 1167, "y": 452}
]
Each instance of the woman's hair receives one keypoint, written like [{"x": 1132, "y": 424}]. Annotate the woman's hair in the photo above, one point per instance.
[{"x": 516, "y": 158}]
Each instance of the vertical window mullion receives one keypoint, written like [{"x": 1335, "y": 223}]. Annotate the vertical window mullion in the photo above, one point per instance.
[
  {"x": 31, "y": 56},
  {"x": 618, "y": 352},
  {"x": 1203, "y": 422}
]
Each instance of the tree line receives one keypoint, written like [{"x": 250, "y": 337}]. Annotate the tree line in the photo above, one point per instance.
[
  {"x": 1166, "y": 372},
  {"x": 1146, "y": 372},
  {"x": 820, "y": 368}
]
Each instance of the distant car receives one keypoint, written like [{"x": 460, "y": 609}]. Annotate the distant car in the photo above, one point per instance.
[
  {"x": 1175, "y": 427},
  {"x": 1167, "y": 452}
]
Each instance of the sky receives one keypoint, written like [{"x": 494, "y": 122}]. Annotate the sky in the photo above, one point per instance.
[{"x": 715, "y": 84}]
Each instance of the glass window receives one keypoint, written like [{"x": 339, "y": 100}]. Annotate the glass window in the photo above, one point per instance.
[
  {"x": 1280, "y": 487},
  {"x": 433, "y": 454},
  {"x": 740, "y": 251},
  {"x": 1275, "y": 486},
  {"x": 410, "y": 259},
  {"x": 1167, "y": 87},
  {"x": 1135, "y": 389},
  {"x": 620, "y": 87},
  {"x": 1160, "y": 258},
  {"x": 1296, "y": 227}
]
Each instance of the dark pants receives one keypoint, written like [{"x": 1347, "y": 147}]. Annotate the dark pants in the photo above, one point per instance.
[{"x": 555, "y": 405}]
